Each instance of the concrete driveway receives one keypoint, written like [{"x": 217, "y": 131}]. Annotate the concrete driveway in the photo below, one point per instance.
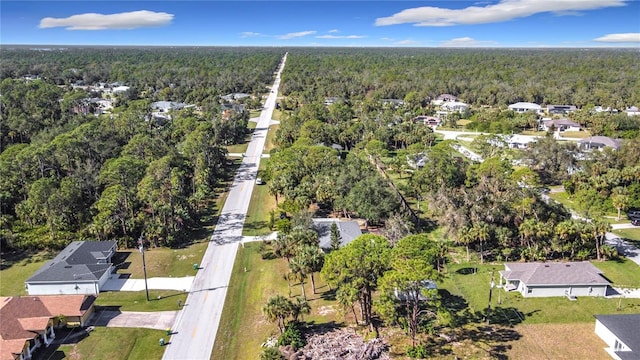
[
  {"x": 155, "y": 283},
  {"x": 159, "y": 320}
]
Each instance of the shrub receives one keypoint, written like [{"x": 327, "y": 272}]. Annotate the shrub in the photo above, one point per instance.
[
  {"x": 418, "y": 352},
  {"x": 292, "y": 336},
  {"x": 271, "y": 353}
]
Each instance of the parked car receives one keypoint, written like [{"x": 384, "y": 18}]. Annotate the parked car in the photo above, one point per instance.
[
  {"x": 259, "y": 181},
  {"x": 635, "y": 222},
  {"x": 633, "y": 214}
]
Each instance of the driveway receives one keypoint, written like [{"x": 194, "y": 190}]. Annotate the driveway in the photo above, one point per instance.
[
  {"x": 624, "y": 248},
  {"x": 154, "y": 283},
  {"x": 159, "y": 320}
]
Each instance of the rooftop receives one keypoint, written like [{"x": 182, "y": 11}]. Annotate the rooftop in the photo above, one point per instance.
[
  {"x": 349, "y": 230},
  {"x": 81, "y": 260},
  {"x": 625, "y": 327},
  {"x": 554, "y": 273}
]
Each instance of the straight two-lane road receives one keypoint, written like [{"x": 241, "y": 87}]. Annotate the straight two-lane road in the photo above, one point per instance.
[{"x": 195, "y": 329}]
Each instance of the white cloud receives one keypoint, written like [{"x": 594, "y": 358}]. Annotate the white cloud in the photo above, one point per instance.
[
  {"x": 467, "y": 42},
  {"x": 502, "y": 11},
  {"x": 333, "y": 31},
  {"x": 407, "y": 42},
  {"x": 93, "y": 21},
  {"x": 250, "y": 34},
  {"x": 620, "y": 38},
  {"x": 340, "y": 36},
  {"x": 296, "y": 34}
]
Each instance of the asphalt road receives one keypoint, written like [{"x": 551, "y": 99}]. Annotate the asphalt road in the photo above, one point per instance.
[{"x": 195, "y": 328}]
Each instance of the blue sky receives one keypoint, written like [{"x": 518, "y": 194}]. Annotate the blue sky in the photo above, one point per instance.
[{"x": 501, "y": 23}]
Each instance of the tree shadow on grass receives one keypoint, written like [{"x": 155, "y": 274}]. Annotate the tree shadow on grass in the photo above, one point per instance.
[{"x": 11, "y": 258}]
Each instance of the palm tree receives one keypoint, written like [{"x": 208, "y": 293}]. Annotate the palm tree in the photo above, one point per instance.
[
  {"x": 600, "y": 229},
  {"x": 311, "y": 258},
  {"x": 480, "y": 231},
  {"x": 298, "y": 270},
  {"x": 277, "y": 310},
  {"x": 465, "y": 237}
]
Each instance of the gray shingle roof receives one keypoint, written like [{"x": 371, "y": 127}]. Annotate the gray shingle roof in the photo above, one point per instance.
[
  {"x": 552, "y": 273},
  {"x": 349, "y": 230},
  {"x": 77, "y": 262},
  {"x": 625, "y": 327},
  {"x": 604, "y": 140}
]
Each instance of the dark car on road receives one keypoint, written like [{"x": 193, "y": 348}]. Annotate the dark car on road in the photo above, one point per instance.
[
  {"x": 633, "y": 214},
  {"x": 635, "y": 222}
]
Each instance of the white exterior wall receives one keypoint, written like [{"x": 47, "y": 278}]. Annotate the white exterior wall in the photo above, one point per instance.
[
  {"x": 610, "y": 339},
  {"x": 546, "y": 291},
  {"x": 63, "y": 289}
]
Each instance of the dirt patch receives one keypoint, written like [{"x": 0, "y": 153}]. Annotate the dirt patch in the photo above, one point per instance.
[
  {"x": 558, "y": 341},
  {"x": 326, "y": 310}
]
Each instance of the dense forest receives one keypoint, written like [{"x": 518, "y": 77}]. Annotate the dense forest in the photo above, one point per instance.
[
  {"x": 478, "y": 76},
  {"x": 68, "y": 174}
]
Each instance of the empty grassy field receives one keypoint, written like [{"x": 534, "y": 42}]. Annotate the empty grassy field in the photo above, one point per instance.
[
  {"x": 160, "y": 300},
  {"x": 557, "y": 341},
  {"x": 18, "y": 267},
  {"x": 114, "y": 343},
  {"x": 622, "y": 273},
  {"x": 161, "y": 261}
]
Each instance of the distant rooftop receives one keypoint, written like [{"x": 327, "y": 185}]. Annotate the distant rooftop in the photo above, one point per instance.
[{"x": 554, "y": 273}]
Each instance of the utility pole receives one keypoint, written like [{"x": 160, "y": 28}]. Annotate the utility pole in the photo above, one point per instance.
[
  {"x": 144, "y": 265},
  {"x": 490, "y": 293}
]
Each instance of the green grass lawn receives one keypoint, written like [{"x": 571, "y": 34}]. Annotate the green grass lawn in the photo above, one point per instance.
[
  {"x": 17, "y": 268},
  {"x": 271, "y": 135},
  {"x": 162, "y": 262},
  {"x": 474, "y": 288},
  {"x": 257, "y": 220},
  {"x": 105, "y": 343},
  {"x": 631, "y": 235},
  {"x": 575, "y": 134},
  {"x": 160, "y": 300},
  {"x": 623, "y": 273}
]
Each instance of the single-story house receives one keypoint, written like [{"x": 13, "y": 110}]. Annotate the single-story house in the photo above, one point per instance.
[
  {"x": 599, "y": 109},
  {"x": 235, "y": 96},
  {"x": 519, "y": 141},
  {"x": 166, "y": 106},
  {"x": 621, "y": 334},
  {"x": 443, "y": 98},
  {"x": 428, "y": 120},
  {"x": 599, "y": 142},
  {"x": 349, "y": 230},
  {"x": 560, "y": 109},
  {"x": 560, "y": 125},
  {"x": 544, "y": 279},
  {"x": 81, "y": 268},
  {"x": 28, "y": 321},
  {"x": 426, "y": 285},
  {"x": 523, "y": 107},
  {"x": 454, "y": 106},
  {"x": 632, "y": 111}
]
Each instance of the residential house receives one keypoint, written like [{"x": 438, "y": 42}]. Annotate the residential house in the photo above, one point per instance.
[
  {"x": 599, "y": 109},
  {"x": 632, "y": 111},
  {"x": 235, "y": 96},
  {"x": 560, "y": 125},
  {"x": 428, "y": 120},
  {"x": 392, "y": 102},
  {"x": 443, "y": 98},
  {"x": 621, "y": 334},
  {"x": 426, "y": 285},
  {"x": 519, "y": 141},
  {"x": 349, "y": 230},
  {"x": 229, "y": 109},
  {"x": 28, "y": 322},
  {"x": 523, "y": 107},
  {"x": 166, "y": 106},
  {"x": 560, "y": 109},
  {"x": 544, "y": 279},
  {"x": 599, "y": 142},
  {"x": 81, "y": 268},
  {"x": 454, "y": 106}
]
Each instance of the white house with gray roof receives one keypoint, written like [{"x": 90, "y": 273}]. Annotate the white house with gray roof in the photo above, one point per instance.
[
  {"x": 81, "y": 268},
  {"x": 544, "y": 279},
  {"x": 523, "y": 107},
  {"x": 349, "y": 230},
  {"x": 599, "y": 142},
  {"x": 620, "y": 333}
]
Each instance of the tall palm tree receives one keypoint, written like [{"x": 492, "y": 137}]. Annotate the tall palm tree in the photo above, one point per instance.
[
  {"x": 480, "y": 231},
  {"x": 278, "y": 309},
  {"x": 311, "y": 258}
]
